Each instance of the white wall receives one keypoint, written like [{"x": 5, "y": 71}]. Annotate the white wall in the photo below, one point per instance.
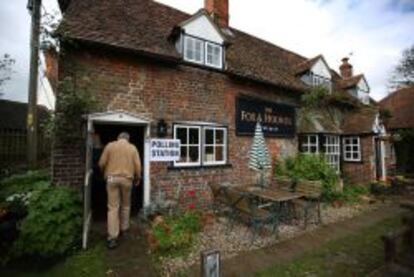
[
  {"x": 203, "y": 28},
  {"x": 319, "y": 68}
]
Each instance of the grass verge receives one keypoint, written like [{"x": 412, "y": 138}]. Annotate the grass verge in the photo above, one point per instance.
[{"x": 355, "y": 255}]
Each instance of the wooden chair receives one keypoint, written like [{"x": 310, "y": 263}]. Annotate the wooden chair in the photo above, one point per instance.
[
  {"x": 311, "y": 203},
  {"x": 246, "y": 209},
  {"x": 242, "y": 207}
]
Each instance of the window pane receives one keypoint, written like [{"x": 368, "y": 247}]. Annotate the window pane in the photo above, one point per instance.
[
  {"x": 194, "y": 153},
  {"x": 312, "y": 139},
  {"x": 182, "y": 135},
  {"x": 219, "y": 136},
  {"x": 219, "y": 153},
  {"x": 199, "y": 50},
  {"x": 209, "y": 154},
  {"x": 209, "y": 136},
  {"x": 194, "y": 139},
  {"x": 183, "y": 156}
]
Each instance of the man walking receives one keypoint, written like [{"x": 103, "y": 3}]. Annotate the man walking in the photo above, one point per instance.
[{"x": 120, "y": 163}]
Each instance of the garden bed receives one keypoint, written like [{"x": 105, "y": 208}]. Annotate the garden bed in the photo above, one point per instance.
[{"x": 231, "y": 243}]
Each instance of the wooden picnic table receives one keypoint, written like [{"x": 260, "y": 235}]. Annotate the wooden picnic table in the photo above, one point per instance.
[{"x": 272, "y": 195}]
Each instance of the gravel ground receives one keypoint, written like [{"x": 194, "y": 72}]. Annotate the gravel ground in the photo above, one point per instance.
[{"x": 231, "y": 242}]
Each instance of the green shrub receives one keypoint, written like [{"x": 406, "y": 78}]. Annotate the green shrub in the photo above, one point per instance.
[
  {"x": 312, "y": 168},
  {"x": 23, "y": 183},
  {"x": 177, "y": 234},
  {"x": 351, "y": 193},
  {"x": 52, "y": 226}
]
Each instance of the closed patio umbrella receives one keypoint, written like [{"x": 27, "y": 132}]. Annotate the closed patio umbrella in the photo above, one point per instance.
[{"x": 259, "y": 154}]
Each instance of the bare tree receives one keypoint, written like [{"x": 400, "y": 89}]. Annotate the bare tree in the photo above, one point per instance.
[
  {"x": 6, "y": 70},
  {"x": 403, "y": 75}
]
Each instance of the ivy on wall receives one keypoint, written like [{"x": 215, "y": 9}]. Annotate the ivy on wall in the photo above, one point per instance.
[{"x": 72, "y": 104}]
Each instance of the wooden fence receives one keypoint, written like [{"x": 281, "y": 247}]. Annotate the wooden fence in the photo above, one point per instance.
[{"x": 13, "y": 149}]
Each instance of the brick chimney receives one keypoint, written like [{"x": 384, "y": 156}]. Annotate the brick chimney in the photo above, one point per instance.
[
  {"x": 219, "y": 10},
  {"x": 346, "y": 68}
]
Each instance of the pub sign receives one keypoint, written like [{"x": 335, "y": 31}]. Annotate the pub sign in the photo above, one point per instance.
[{"x": 278, "y": 120}]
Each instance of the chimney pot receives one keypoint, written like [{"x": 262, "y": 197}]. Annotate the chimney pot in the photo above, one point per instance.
[
  {"x": 219, "y": 10},
  {"x": 346, "y": 68}
]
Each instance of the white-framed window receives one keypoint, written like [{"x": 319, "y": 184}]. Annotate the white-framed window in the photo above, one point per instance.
[
  {"x": 215, "y": 142},
  {"x": 201, "y": 145},
  {"x": 200, "y": 51},
  {"x": 190, "y": 137},
  {"x": 352, "y": 149},
  {"x": 214, "y": 55},
  {"x": 193, "y": 50},
  {"x": 310, "y": 144},
  {"x": 332, "y": 151},
  {"x": 315, "y": 80}
]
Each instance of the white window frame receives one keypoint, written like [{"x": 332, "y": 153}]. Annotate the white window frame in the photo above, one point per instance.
[
  {"x": 220, "y": 56},
  {"x": 307, "y": 144},
  {"x": 188, "y": 145},
  {"x": 194, "y": 40},
  {"x": 214, "y": 145},
  {"x": 333, "y": 151},
  {"x": 349, "y": 143}
]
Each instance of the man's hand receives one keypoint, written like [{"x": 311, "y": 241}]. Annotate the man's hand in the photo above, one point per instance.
[{"x": 137, "y": 181}]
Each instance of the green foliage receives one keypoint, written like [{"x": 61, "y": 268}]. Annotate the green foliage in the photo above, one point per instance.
[
  {"x": 403, "y": 75},
  {"x": 177, "y": 234},
  {"x": 312, "y": 168},
  {"x": 352, "y": 193},
  {"x": 319, "y": 96},
  {"x": 315, "y": 96},
  {"x": 52, "y": 226},
  {"x": 23, "y": 183},
  {"x": 73, "y": 103}
]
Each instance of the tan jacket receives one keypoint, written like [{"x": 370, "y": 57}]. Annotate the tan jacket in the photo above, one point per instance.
[{"x": 120, "y": 158}]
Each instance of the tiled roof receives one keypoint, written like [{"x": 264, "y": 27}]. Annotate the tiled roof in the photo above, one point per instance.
[
  {"x": 360, "y": 121},
  {"x": 350, "y": 82},
  {"x": 145, "y": 26},
  {"x": 401, "y": 105},
  {"x": 306, "y": 65}
]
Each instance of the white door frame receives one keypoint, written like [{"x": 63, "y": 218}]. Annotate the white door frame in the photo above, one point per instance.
[{"x": 122, "y": 117}]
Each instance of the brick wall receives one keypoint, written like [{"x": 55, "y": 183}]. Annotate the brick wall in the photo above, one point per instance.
[
  {"x": 174, "y": 93},
  {"x": 361, "y": 172}
]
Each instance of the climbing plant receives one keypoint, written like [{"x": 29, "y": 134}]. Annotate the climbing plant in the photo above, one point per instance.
[{"x": 73, "y": 103}]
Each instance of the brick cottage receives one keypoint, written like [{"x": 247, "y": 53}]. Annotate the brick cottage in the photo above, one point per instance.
[{"x": 159, "y": 72}]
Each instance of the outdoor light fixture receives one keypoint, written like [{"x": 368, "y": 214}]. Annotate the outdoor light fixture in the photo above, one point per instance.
[{"x": 162, "y": 128}]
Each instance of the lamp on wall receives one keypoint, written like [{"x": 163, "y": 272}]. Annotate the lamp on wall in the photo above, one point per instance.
[{"x": 162, "y": 128}]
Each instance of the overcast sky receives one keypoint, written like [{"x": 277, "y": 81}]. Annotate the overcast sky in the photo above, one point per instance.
[{"x": 375, "y": 32}]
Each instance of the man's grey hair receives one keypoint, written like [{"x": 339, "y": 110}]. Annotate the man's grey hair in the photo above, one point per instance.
[{"x": 123, "y": 135}]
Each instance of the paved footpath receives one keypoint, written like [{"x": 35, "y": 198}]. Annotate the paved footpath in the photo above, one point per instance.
[{"x": 249, "y": 263}]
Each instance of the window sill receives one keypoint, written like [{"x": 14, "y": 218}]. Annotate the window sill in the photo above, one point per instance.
[
  {"x": 353, "y": 161},
  {"x": 200, "y": 167}
]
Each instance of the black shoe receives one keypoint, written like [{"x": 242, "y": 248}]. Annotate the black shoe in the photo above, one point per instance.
[{"x": 112, "y": 244}]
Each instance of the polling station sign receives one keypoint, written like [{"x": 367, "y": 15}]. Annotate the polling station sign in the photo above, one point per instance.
[{"x": 165, "y": 150}]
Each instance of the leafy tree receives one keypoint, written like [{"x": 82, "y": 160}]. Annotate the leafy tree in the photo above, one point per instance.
[
  {"x": 403, "y": 75},
  {"x": 6, "y": 66}
]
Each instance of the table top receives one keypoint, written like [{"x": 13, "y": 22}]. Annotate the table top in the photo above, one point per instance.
[{"x": 274, "y": 195}]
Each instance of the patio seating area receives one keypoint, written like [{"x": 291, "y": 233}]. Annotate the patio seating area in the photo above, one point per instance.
[{"x": 264, "y": 209}]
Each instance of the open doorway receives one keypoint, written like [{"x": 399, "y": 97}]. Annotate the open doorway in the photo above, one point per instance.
[{"x": 105, "y": 133}]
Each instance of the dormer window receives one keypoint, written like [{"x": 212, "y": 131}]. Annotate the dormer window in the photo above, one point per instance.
[
  {"x": 214, "y": 54},
  {"x": 204, "y": 52},
  {"x": 315, "y": 80},
  {"x": 193, "y": 50}
]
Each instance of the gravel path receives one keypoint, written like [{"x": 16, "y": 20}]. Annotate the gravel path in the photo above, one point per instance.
[{"x": 232, "y": 243}]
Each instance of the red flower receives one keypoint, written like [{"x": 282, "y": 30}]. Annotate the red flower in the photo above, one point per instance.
[
  {"x": 191, "y": 193},
  {"x": 191, "y": 206}
]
